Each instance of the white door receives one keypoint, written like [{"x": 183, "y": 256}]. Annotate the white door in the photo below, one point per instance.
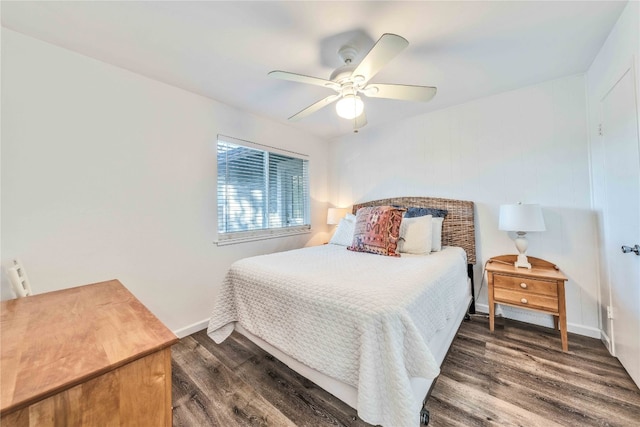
[{"x": 622, "y": 217}]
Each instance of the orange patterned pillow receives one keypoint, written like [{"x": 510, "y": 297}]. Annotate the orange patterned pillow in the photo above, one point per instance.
[{"x": 377, "y": 230}]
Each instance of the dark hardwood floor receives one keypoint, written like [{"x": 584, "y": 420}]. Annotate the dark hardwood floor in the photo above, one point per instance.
[{"x": 517, "y": 376}]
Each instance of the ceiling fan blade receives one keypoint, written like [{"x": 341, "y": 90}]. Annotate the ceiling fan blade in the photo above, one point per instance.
[
  {"x": 285, "y": 75},
  {"x": 314, "y": 107},
  {"x": 359, "y": 122},
  {"x": 385, "y": 49},
  {"x": 403, "y": 92}
]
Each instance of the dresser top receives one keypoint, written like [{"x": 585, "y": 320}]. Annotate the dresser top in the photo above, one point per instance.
[{"x": 51, "y": 342}]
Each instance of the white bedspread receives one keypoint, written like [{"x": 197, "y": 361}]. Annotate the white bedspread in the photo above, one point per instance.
[{"x": 360, "y": 318}]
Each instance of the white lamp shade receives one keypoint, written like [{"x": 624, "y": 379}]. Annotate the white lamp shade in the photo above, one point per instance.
[
  {"x": 349, "y": 107},
  {"x": 521, "y": 217},
  {"x": 334, "y": 215}
]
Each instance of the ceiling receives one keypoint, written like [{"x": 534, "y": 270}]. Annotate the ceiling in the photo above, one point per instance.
[{"x": 224, "y": 50}]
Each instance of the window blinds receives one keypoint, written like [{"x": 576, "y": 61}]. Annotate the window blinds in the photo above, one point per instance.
[{"x": 260, "y": 193}]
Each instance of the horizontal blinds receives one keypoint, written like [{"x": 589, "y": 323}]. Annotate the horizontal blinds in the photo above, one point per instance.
[{"x": 260, "y": 190}]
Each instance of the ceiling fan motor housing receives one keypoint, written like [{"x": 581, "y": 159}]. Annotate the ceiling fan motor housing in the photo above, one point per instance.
[{"x": 342, "y": 73}]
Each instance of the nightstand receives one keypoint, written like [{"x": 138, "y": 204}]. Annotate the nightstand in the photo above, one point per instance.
[{"x": 540, "y": 288}]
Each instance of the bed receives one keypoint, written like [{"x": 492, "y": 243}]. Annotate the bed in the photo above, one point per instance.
[{"x": 372, "y": 330}]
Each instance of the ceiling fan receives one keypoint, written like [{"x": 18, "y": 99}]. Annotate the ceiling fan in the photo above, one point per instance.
[{"x": 350, "y": 80}]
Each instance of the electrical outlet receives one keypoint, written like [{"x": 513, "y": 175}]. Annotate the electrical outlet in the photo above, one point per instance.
[{"x": 609, "y": 312}]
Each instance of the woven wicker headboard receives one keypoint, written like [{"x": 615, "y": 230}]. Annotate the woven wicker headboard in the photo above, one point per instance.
[{"x": 457, "y": 228}]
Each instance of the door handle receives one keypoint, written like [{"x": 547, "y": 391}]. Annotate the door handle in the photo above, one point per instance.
[{"x": 627, "y": 249}]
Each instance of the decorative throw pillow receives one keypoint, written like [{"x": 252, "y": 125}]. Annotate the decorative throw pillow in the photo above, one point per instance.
[
  {"x": 413, "y": 212},
  {"x": 415, "y": 235},
  {"x": 436, "y": 234},
  {"x": 377, "y": 230},
  {"x": 344, "y": 233},
  {"x": 438, "y": 218}
]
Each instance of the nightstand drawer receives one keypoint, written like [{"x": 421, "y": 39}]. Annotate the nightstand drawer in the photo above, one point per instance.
[
  {"x": 519, "y": 298},
  {"x": 527, "y": 285}
]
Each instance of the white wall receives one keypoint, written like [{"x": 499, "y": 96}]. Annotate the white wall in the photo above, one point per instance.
[
  {"x": 527, "y": 145},
  {"x": 620, "y": 51},
  {"x": 108, "y": 174}
]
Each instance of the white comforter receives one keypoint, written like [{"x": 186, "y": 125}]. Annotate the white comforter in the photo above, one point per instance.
[{"x": 360, "y": 318}]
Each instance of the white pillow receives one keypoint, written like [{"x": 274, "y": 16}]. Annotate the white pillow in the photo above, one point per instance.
[
  {"x": 436, "y": 236},
  {"x": 415, "y": 235},
  {"x": 350, "y": 217},
  {"x": 344, "y": 233}
]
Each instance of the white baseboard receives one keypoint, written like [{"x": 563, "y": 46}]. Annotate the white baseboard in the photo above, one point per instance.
[
  {"x": 606, "y": 341},
  {"x": 587, "y": 331},
  {"x": 528, "y": 316},
  {"x": 194, "y": 327},
  {"x": 540, "y": 319}
]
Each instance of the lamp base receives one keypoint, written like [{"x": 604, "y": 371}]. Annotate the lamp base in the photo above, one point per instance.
[{"x": 522, "y": 261}]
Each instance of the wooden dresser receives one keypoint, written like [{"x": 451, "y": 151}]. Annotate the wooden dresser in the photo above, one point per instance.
[
  {"x": 86, "y": 356},
  {"x": 540, "y": 288}
]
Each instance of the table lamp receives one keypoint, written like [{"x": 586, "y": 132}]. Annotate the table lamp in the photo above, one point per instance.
[
  {"x": 334, "y": 215},
  {"x": 521, "y": 218}
]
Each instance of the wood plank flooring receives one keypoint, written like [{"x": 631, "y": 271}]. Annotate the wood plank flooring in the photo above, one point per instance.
[{"x": 517, "y": 376}]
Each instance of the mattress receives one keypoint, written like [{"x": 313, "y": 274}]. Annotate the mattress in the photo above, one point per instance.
[{"x": 363, "y": 320}]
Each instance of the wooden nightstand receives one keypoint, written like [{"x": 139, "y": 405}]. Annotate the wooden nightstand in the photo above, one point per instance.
[{"x": 540, "y": 289}]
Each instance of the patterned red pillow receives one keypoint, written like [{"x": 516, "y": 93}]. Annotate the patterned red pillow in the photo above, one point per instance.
[{"x": 377, "y": 230}]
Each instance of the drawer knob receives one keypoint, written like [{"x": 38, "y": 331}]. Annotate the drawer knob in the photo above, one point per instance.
[
  {"x": 523, "y": 285},
  {"x": 524, "y": 300}
]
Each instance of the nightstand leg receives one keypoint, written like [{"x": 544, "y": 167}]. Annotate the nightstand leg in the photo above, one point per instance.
[
  {"x": 492, "y": 310},
  {"x": 562, "y": 318},
  {"x": 492, "y": 306},
  {"x": 563, "y": 333},
  {"x": 555, "y": 322}
]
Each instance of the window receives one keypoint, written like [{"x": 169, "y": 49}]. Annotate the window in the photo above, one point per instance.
[{"x": 261, "y": 193}]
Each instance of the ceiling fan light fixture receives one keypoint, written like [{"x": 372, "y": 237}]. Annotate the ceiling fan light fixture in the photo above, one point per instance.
[{"x": 349, "y": 107}]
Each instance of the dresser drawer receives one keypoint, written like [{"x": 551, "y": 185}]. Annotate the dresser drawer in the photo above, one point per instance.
[
  {"x": 523, "y": 299},
  {"x": 526, "y": 285}
]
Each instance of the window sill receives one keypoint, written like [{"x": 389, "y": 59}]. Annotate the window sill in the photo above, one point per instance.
[{"x": 243, "y": 237}]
